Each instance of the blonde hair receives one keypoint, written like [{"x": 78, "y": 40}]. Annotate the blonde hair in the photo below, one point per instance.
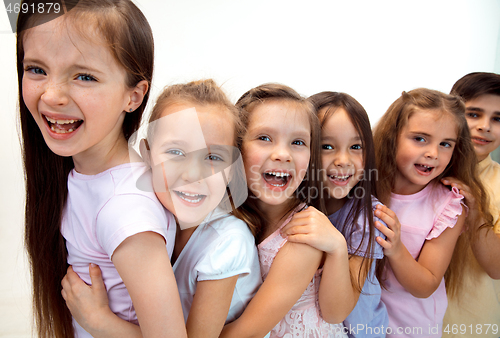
[{"x": 462, "y": 165}]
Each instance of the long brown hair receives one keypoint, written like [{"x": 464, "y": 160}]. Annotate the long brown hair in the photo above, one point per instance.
[
  {"x": 274, "y": 92},
  {"x": 130, "y": 40},
  {"x": 463, "y": 162},
  {"x": 329, "y": 103}
]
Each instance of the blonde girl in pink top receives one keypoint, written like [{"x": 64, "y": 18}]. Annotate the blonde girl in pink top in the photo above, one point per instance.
[{"x": 422, "y": 138}]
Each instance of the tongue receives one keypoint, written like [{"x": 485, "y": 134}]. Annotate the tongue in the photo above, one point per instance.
[
  {"x": 422, "y": 168},
  {"x": 274, "y": 180}
]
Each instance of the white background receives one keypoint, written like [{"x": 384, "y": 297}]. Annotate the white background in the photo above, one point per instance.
[{"x": 372, "y": 50}]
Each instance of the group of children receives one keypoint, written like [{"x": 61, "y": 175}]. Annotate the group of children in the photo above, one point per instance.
[{"x": 281, "y": 215}]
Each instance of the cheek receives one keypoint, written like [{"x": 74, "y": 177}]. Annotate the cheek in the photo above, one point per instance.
[{"x": 166, "y": 200}]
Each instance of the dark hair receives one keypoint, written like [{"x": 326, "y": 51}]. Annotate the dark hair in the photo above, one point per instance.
[
  {"x": 130, "y": 40},
  {"x": 273, "y": 92},
  {"x": 326, "y": 104},
  {"x": 463, "y": 162},
  {"x": 476, "y": 84}
]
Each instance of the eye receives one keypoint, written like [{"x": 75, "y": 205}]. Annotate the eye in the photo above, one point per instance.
[
  {"x": 356, "y": 147},
  {"x": 213, "y": 157},
  {"x": 496, "y": 119},
  {"x": 472, "y": 115},
  {"x": 419, "y": 139},
  {"x": 175, "y": 152},
  {"x": 86, "y": 77},
  {"x": 264, "y": 138},
  {"x": 326, "y": 147},
  {"x": 298, "y": 143},
  {"x": 446, "y": 144},
  {"x": 34, "y": 70}
]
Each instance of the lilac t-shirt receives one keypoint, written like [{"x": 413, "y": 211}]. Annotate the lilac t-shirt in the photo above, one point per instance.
[
  {"x": 101, "y": 212},
  {"x": 369, "y": 317}
]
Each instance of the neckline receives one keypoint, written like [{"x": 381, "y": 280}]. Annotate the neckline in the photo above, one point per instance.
[{"x": 419, "y": 194}]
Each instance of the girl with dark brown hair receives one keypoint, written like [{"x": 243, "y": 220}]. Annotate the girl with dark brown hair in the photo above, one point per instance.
[{"x": 84, "y": 80}]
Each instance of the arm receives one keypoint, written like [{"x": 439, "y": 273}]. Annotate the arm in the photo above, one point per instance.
[
  {"x": 89, "y": 306},
  {"x": 485, "y": 243},
  {"x": 420, "y": 277},
  {"x": 210, "y": 307},
  {"x": 290, "y": 274},
  {"x": 143, "y": 264},
  {"x": 312, "y": 227}
]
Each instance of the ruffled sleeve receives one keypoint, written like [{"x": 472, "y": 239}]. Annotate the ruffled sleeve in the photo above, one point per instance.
[
  {"x": 449, "y": 215},
  {"x": 231, "y": 255}
]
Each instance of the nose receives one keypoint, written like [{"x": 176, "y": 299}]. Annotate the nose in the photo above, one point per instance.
[
  {"x": 484, "y": 124},
  {"x": 281, "y": 152},
  {"x": 342, "y": 159},
  {"x": 192, "y": 170},
  {"x": 55, "y": 94},
  {"x": 431, "y": 152}
]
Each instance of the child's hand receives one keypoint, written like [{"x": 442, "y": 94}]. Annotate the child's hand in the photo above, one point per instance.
[
  {"x": 392, "y": 244},
  {"x": 87, "y": 303},
  {"x": 312, "y": 227},
  {"x": 463, "y": 189}
]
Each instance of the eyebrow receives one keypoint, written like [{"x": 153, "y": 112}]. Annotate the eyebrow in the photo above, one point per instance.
[
  {"x": 330, "y": 138},
  {"x": 429, "y": 135},
  {"x": 76, "y": 66},
  {"x": 219, "y": 148},
  {"x": 481, "y": 110}
]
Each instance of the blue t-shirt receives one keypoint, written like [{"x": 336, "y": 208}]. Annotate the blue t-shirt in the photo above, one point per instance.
[{"x": 369, "y": 317}]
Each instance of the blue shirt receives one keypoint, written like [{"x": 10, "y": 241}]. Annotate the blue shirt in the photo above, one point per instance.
[{"x": 369, "y": 317}]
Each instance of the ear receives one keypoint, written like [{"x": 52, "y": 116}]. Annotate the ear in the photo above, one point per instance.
[
  {"x": 145, "y": 151},
  {"x": 137, "y": 95}
]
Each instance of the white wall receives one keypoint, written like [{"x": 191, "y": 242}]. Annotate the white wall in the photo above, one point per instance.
[{"x": 372, "y": 50}]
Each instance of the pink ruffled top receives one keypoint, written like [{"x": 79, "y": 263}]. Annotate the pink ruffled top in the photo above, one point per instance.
[
  {"x": 304, "y": 319},
  {"x": 423, "y": 216}
]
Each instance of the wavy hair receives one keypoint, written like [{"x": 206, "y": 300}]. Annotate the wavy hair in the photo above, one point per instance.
[{"x": 463, "y": 162}]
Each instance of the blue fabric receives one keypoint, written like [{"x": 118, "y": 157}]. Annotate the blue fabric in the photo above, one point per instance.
[{"x": 369, "y": 317}]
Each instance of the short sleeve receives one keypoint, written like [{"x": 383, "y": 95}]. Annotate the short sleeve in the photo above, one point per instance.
[
  {"x": 229, "y": 256},
  {"x": 127, "y": 215},
  {"x": 449, "y": 214}
]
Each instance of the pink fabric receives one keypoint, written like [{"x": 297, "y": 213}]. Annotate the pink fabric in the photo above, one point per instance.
[
  {"x": 423, "y": 216},
  {"x": 101, "y": 212},
  {"x": 304, "y": 319}
]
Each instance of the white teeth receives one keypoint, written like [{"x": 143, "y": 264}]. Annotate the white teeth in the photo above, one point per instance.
[
  {"x": 60, "y": 121},
  {"x": 278, "y": 185},
  {"x": 183, "y": 195},
  {"x": 278, "y": 174},
  {"x": 60, "y": 131},
  {"x": 339, "y": 177}
]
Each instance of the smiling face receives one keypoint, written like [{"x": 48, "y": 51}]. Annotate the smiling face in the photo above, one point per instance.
[
  {"x": 483, "y": 117},
  {"x": 425, "y": 147},
  {"x": 191, "y": 149},
  {"x": 276, "y": 150},
  {"x": 341, "y": 153},
  {"x": 75, "y": 90}
]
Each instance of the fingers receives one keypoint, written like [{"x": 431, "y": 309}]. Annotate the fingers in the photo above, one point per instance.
[
  {"x": 96, "y": 276},
  {"x": 298, "y": 229},
  {"x": 384, "y": 229}
]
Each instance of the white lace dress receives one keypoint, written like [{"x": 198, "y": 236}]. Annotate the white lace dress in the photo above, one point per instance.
[{"x": 304, "y": 319}]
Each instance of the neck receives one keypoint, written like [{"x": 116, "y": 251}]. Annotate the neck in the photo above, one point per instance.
[
  {"x": 274, "y": 215},
  {"x": 102, "y": 157},
  {"x": 181, "y": 238},
  {"x": 333, "y": 204}
]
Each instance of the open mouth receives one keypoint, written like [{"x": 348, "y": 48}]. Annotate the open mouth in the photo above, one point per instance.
[
  {"x": 424, "y": 168},
  {"x": 189, "y": 197},
  {"x": 277, "y": 179},
  {"x": 63, "y": 126},
  {"x": 340, "y": 178}
]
